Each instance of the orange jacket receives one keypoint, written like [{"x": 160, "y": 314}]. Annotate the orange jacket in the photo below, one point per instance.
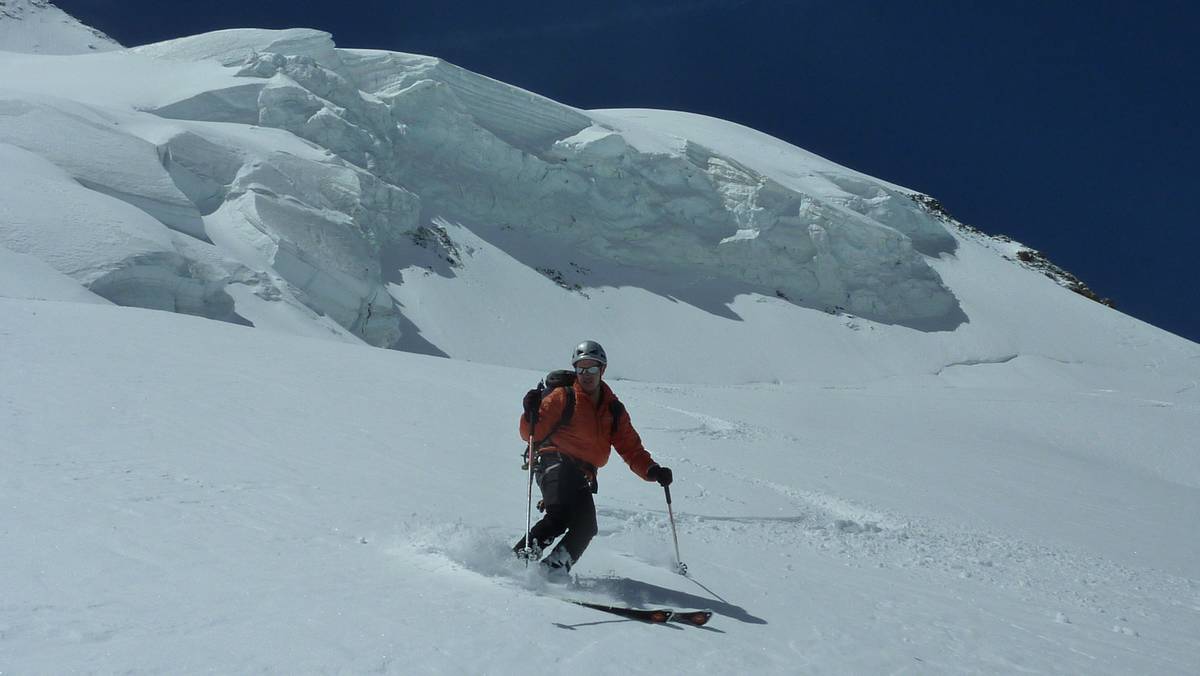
[{"x": 588, "y": 436}]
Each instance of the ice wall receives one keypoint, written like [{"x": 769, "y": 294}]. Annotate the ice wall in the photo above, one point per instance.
[
  {"x": 314, "y": 176},
  {"x": 506, "y": 162}
]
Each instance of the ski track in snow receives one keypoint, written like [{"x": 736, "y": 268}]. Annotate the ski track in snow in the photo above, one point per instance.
[
  {"x": 623, "y": 578},
  {"x": 714, "y": 427},
  {"x": 864, "y": 537},
  {"x": 261, "y": 513},
  {"x": 627, "y": 564},
  {"x": 858, "y": 537}
]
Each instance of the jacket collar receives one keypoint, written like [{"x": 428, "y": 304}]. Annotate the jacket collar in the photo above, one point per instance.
[{"x": 602, "y": 395}]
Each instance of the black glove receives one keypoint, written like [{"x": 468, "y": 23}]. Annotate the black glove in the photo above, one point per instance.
[
  {"x": 532, "y": 402},
  {"x": 660, "y": 474}
]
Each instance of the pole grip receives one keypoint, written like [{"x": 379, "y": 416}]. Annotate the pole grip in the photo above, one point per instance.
[{"x": 667, "y": 489}]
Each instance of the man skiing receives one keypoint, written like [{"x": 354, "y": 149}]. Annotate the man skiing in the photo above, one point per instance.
[{"x": 574, "y": 429}]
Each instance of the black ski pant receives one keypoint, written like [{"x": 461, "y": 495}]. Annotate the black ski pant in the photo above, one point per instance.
[{"x": 567, "y": 498}]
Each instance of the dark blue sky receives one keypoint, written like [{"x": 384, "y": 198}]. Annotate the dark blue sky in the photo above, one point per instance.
[{"x": 1070, "y": 126}]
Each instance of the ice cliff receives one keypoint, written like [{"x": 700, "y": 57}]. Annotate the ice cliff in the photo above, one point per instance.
[{"x": 254, "y": 167}]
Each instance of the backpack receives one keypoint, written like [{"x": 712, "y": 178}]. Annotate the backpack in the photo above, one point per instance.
[{"x": 566, "y": 378}]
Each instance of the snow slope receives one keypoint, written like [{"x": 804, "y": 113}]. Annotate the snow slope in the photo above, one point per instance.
[
  {"x": 184, "y": 495},
  {"x": 27, "y": 277},
  {"x": 897, "y": 447},
  {"x": 38, "y": 27}
]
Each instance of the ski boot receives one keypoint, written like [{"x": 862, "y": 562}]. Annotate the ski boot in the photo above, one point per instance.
[
  {"x": 531, "y": 553},
  {"x": 557, "y": 566}
]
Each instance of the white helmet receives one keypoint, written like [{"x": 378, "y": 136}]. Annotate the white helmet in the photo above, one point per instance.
[{"x": 589, "y": 349}]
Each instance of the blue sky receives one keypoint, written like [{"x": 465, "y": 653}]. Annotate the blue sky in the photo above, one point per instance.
[{"x": 1069, "y": 126}]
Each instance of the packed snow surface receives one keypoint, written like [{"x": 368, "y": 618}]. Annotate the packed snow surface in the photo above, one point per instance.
[
  {"x": 896, "y": 448},
  {"x": 38, "y": 27},
  {"x": 184, "y": 495}
]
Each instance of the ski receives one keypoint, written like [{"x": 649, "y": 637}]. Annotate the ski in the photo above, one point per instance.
[{"x": 697, "y": 618}]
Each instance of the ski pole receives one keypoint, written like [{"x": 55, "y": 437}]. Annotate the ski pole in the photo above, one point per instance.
[
  {"x": 529, "y": 506},
  {"x": 680, "y": 566}
]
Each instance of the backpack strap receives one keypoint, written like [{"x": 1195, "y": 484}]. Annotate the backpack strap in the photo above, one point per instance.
[
  {"x": 617, "y": 409},
  {"x": 567, "y": 413}
]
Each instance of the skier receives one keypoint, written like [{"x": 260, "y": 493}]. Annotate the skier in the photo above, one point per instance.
[{"x": 570, "y": 448}]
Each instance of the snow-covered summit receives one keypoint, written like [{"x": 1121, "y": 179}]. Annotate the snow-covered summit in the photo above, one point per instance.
[
  {"x": 235, "y": 46},
  {"x": 534, "y": 177},
  {"x": 278, "y": 180},
  {"x": 38, "y": 27}
]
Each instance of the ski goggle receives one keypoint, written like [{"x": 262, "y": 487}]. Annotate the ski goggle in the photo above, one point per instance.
[{"x": 591, "y": 370}]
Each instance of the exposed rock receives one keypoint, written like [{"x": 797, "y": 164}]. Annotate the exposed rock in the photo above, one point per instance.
[{"x": 1029, "y": 258}]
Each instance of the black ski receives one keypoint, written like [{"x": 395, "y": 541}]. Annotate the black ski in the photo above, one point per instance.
[{"x": 697, "y": 618}]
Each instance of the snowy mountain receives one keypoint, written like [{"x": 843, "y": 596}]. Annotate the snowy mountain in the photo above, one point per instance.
[
  {"x": 900, "y": 444},
  {"x": 286, "y": 183},
  {"x": 38, "y": 27}
]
